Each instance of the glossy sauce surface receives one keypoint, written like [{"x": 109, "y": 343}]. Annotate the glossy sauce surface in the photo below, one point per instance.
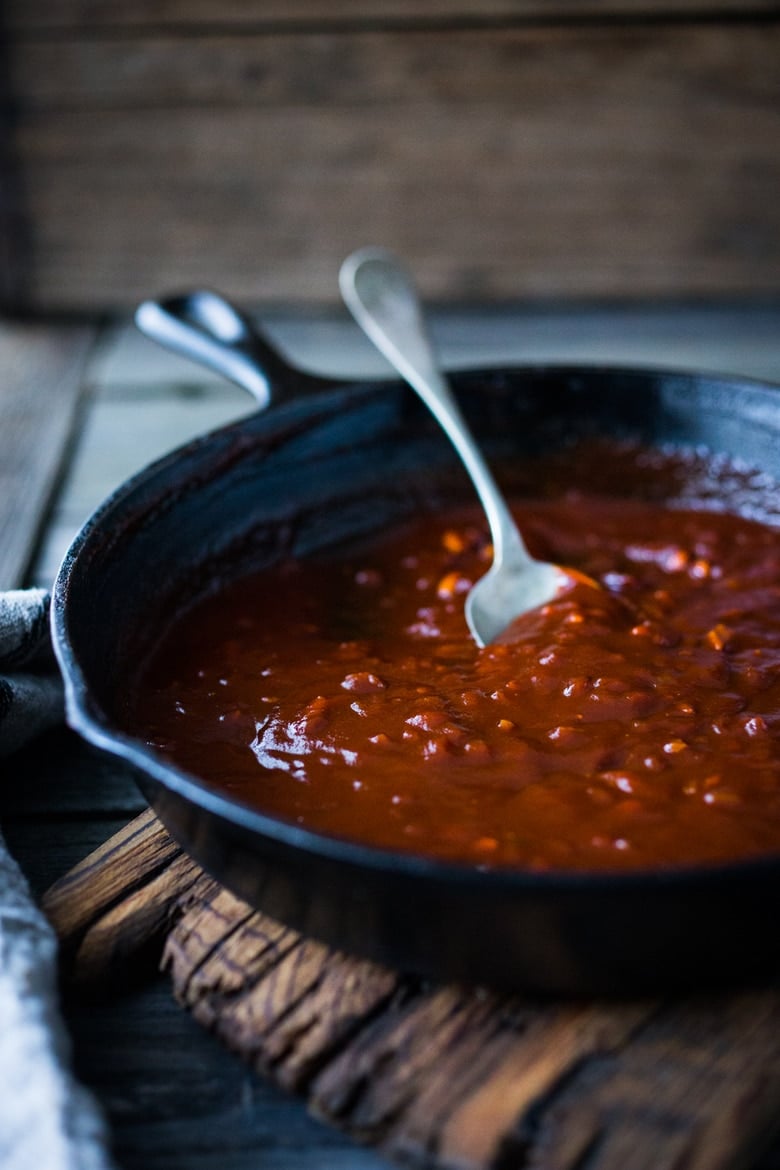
[{"x": 629, "y": 727}]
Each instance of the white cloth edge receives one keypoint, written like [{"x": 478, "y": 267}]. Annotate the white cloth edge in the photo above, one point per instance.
[{"x": 48, "y": 1121}]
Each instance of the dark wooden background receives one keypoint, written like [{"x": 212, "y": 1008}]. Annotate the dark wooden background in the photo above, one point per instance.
[{"x": 510, "y": 149}]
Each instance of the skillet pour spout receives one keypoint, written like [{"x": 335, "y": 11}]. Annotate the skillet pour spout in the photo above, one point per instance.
[{"x": 294, "y": 480}]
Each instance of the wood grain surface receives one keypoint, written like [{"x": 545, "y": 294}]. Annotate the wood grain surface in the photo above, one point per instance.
[
  {"x": 431, "y": 1076},
  {"x": 68, "y": 14},
  {"x": 41, "y": 372},
  {"x": 510, "y": 152}
]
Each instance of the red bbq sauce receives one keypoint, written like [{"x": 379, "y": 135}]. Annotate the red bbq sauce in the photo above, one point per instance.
[{"x": 627, "y": 728}]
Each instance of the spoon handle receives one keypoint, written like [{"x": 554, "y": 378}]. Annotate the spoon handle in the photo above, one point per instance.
[{"x": 382, "y": 297}]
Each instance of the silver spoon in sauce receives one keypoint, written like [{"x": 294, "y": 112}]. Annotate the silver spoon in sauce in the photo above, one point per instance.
[{"x": 382, "y": 297}]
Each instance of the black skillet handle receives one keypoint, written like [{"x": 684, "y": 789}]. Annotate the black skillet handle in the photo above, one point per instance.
[{"x": 206, "y": 328}]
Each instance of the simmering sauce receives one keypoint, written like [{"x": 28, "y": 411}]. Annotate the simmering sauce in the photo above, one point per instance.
[{"x": 629, "y": 727}]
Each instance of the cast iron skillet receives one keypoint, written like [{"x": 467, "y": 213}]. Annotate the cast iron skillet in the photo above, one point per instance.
[{"x": 329, "y": 463}]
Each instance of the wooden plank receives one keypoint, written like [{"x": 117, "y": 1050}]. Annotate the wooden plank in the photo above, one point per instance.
[
  {"x": 445, "y": 1077},
  {"x": 521, "y": 164},
  {"x": 120, "y": 435},
  {"x": 60, "y": 775},
  {"x": 739, "y": 338},
  {"x": 177, "y": 1100},
  {"x": 438, "y": 1077},
  {"x": 45, "y": 848},
  {"x": 522, "y": 68},
  {"x": 95, "y": 886},
  {"x": 41, "y": 371},
  {"x": 12, "y": 228},
  {"x": 43, "y": 14},
  {"x": 640, "y": 217}
]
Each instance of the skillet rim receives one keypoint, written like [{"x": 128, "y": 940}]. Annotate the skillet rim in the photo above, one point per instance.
[{"x": 87, "y": 719}]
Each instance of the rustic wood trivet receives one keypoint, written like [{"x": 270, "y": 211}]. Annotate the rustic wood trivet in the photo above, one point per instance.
[{"x": 436, "y": 1077}]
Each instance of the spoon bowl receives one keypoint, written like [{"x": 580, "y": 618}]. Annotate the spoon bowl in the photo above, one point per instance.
[{"x": 382, "y": 297}]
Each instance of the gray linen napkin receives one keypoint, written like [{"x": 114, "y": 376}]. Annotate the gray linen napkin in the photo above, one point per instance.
[
  {"x": 47, "y": 1120},
  {"x": 30, "y": 687}
]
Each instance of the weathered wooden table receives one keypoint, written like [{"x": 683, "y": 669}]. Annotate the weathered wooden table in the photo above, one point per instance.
[{"x": 82, "y": 405}]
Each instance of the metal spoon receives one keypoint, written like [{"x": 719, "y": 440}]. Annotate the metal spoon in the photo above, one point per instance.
[{"x": 383, "y": 300}]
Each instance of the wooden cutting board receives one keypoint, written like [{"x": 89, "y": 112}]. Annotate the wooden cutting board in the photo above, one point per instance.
[{"x": 441, "y": 1077}]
